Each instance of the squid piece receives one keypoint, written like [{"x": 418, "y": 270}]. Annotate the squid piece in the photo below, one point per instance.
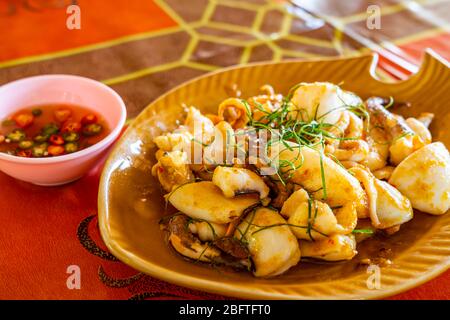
[
  {"x": 393, "y": 125},
  {"x": 204, "y": 200},
  {"x": 222, "y": 149},
  {"x": 235, "y": 112},
  {"x": 378, "y": 143},
  {"x": 352, "y": 150},
  {"x": 339, "y": 128},
  {"x": 426, "y": 118},
  {"x": 186, "y": 243},
  {"x": 335, "y": 248},
  {"x": 393, "y": 208},
  {"x": 236, "y": 181},
  {"x": 197, "y": 250},
  {"x": 271, "y": 243},
  {"x": 404, "y": 140},
  {"x": 388, "y": 207},
  {"x": 177, "y": 141},
  {"x": 200, "y": 126},
  {"x": 202, "y": 172},
  {"x": 355, "y": 127},
  {"x": 208, "y": 231},
  {"x": 403, "y": 147},
  {"x": 424, "y": 177},
  {"x": 300, "y": 210},
  {"x": 348, "y": 126},
  {"x": 172, "y": 169},
  {"x": 384, "y": 173},
  {"x": 291, "y": 204},
  {"x": 263, "y": 104},
  {"x": 343, "y": 191},
  {"x": 183, "y": 239},
  {"x": 281, "y": 191},
  {"x": 420, "y": 129},
  {"x": 267, "y": 89},
  {"x": 321, "y": 101}
]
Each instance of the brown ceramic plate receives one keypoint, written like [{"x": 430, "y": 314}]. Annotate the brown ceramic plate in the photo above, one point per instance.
[{"x": 130, "y": 202}]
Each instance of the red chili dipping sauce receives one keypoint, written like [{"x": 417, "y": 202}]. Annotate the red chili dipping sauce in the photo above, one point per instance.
[{"x": 51, "y": 130}]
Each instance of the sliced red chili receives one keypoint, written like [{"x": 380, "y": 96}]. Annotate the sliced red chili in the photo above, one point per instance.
[
  {"x": 55, "y": 150},
  {"x": 62, "y": 114},
  {"x": 89, "y": 119},
  {"x": 24, "y": 153},
  {"x": 24, "y": 120},
  {"x": 71, "y": 126},
  {"x": 56, "y": 139}
]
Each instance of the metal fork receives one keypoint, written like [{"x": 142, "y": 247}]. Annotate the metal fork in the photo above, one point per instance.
[{"x": 392, "y": 59}]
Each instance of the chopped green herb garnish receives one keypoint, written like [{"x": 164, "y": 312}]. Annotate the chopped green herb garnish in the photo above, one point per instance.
[
  {"x": 92, "y": 129},
  {"x": 364, "y": 231},
  {"x": 26, "y": 144},
  {"x": 50, "y": 129},
  {"x": 71, "y": 136},
  {"x": 41, "y": 138},
  {"x": 40, "y": 150},
  {"x": 16, "y": 136}
]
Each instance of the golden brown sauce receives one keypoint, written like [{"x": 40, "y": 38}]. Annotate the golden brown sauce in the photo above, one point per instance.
[{"x": 141, "y": 228}]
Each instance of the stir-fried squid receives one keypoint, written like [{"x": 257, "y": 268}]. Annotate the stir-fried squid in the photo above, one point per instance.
[{"x": 272, "y": 178}]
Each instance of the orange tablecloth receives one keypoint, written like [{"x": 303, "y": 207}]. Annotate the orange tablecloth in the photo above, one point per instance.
[{"x": 141, "y": 49}]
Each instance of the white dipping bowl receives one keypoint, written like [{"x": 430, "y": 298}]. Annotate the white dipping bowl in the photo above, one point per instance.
[{"x": 65, "y": 89}]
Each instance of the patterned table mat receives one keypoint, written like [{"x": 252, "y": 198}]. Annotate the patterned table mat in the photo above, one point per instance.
[{"x": 206, "y": 35}]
